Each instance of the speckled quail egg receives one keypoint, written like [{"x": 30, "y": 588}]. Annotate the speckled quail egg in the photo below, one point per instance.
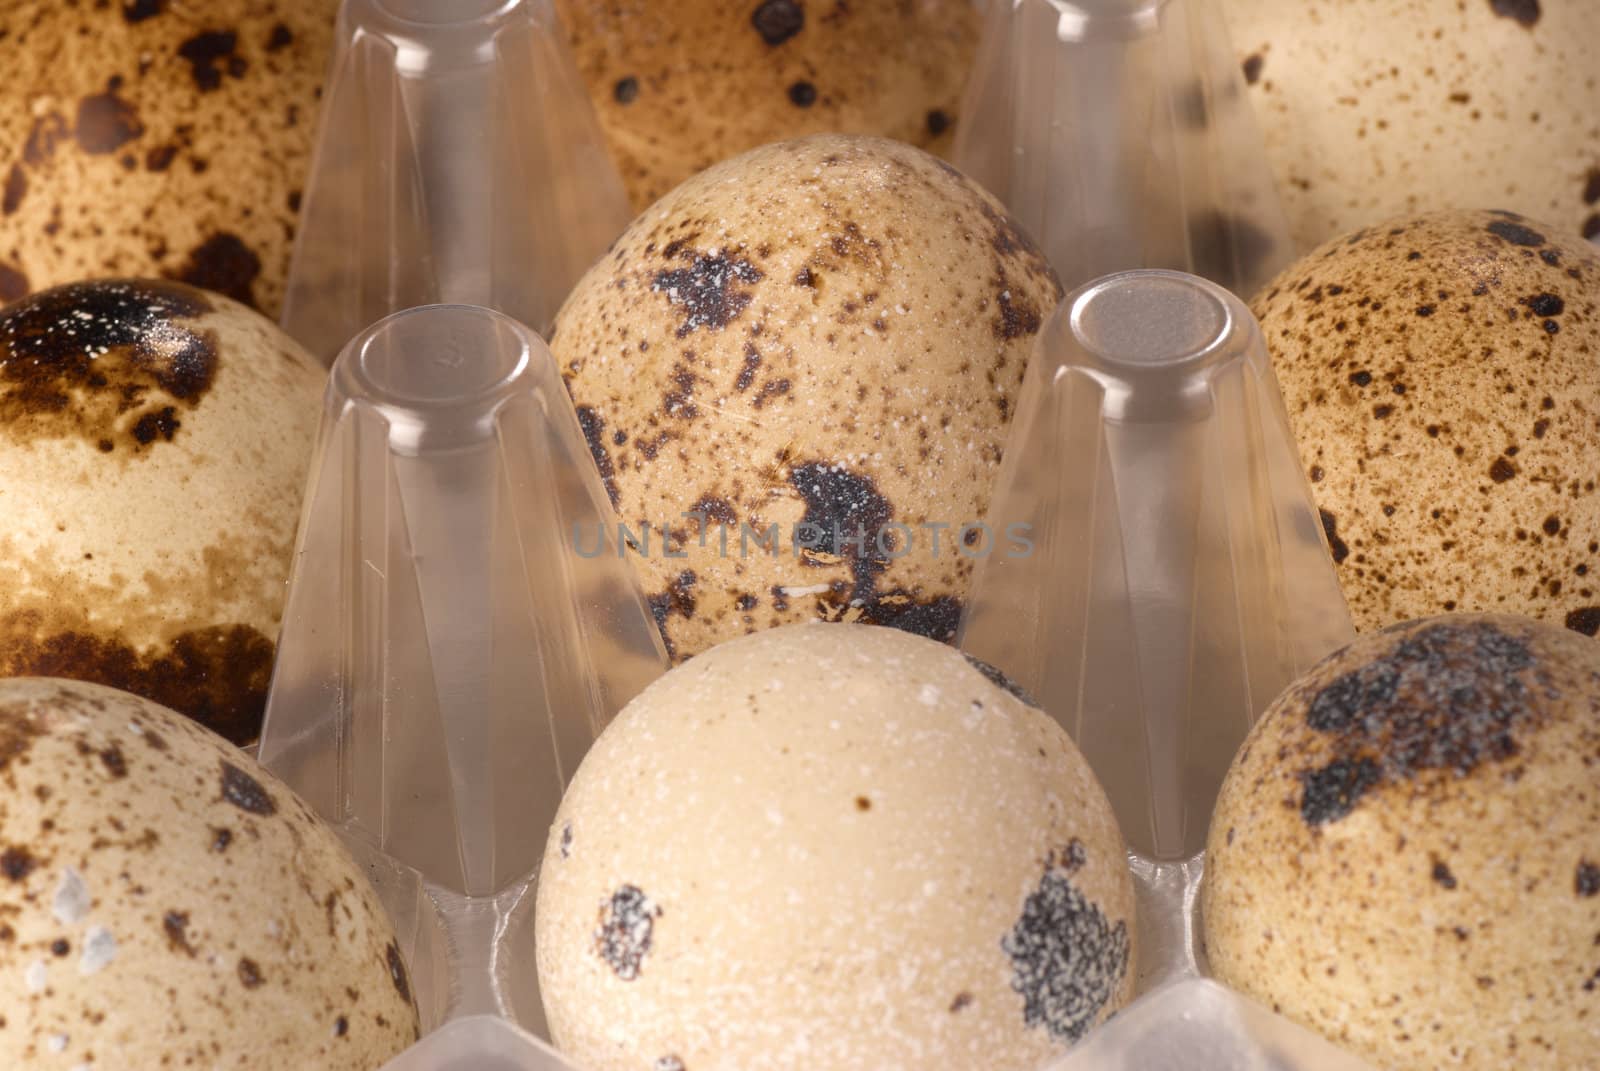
[
  {"x": 164, "y": 902},
  {"x": 682, "y": 85},
  {"x": 157, "y": 137},
  {"x": 1442, "y": 375},
  {"x": 1376, "y": 108},
  {"x": 801, "y": 363},
  {"x": 154, "y": 439},
  {"x": 1405, "y": 855},
  {"x": 832, "y": 846}
]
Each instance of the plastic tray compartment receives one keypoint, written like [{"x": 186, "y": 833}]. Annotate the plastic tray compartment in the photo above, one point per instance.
[{"x": 447, "y": 655}]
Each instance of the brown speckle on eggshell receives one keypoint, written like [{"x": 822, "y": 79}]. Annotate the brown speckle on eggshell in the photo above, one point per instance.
[
  {"x": 1398, "y": 853},
  {"x": 157, "y": 138},
  {"x": 129, "y": 941},
  {"x": 680, "y": 86},
  {"x": 156, "y": 439},
  {"x": 827, "y": 332},
  {"x": 1377, "y": 108},
  {"x": 1442, "y": 376},
  {"x": 832, "y": 846}
]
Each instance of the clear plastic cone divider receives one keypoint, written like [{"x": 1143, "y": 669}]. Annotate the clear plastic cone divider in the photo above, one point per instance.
[
  {"x": 458, "y": 160},
  {"x": 1119, "y": 135},
  {"x": 1177, "y": 578},
  {"x": 460, "y": 627}
]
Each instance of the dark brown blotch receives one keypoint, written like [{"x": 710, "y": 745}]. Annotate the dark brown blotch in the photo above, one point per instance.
[
  {"x": 709, "y": 290},
  {"x": 217, "y": 676},
  {"x": 76, "y": 358},
  {"x": 47, "y": 131},
  {"x": 250, "y": 973},
  {"x": 175, "y": 924},
  {"x": 16, "y": 188},
  {"x": 1515, "y": 233},
  {"x": 223, "y": 263},
  {"x": 1525, "y": 12},
  {"x": 16, "y": 863},
  {"x": 114, "y": 761},
  {"x": 778, "y": 20},
  {"x": 1586, "y": 882},
  {"x": 747, "y": 370},
  {"x": 1337, "y": 547},
  {"x": 13, "y": 283},
  {"x": 594, "y": 427},
  {"x": 160, "y": 157},
  {"x": 106, "y": 122},
  {"x": 397, "y": 971},
  {"x": 1017, "y": 317},
  {"x": 209, "y": 54},
  {"x": 139, "y": 10},
  {"x": 716, "y": 509},
  {"x": 246, "y": 793}
]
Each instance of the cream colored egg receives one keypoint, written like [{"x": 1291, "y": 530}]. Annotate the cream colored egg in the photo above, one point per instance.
[
  {"x": 157, "y": 137},
  {"x": 682, "y": 85},
  {"x": 1405, "y": 855},
  {"x": 164, "y": 902},
  {"x": 155, "y": 442},
  {"x": 824, "y": 332},
  {"x": 1442, "y": 375},
  {"x": 832, "y": 846},
  {"x": 1377, "y": 108}
]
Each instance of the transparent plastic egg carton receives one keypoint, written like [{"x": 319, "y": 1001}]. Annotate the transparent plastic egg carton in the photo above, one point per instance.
[{"x": 448, "y": 652}]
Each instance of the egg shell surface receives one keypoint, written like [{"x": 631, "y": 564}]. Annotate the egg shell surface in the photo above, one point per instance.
[
  {"x": 1442, "y": 375},
  {"x": 828, "y": 331},
  {"x": 1377, "y": 108},
  {"x": 682, "y": 85},
  {"x": 156, "y": 441},
  {"x": 832, "y": 846},
  {"x": 157, "y": 138},
  {"x": 1405, "y": 855},
  {"x": 165, "y": 902}
]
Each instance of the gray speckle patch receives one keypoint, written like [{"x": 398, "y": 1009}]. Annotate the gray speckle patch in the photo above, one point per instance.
[
  {"x": 1067, "y": 959},
  {"x": 627, "y": 925}
]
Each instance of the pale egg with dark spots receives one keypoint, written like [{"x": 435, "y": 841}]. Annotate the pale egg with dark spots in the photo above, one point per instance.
[
  {"x": 681, "y": 85},
  {"x": 1405, "y": 854},
  {"x": 154, "y": 440},
  {"x": 832, "y": 846},
  {"x": 1377, "y": 108},
  {"x": 801, "y": 365},
  {"x": 1442, "y": 375},
  {"x": 157, "y": 138},
  {"x": 165, "y": 902}
]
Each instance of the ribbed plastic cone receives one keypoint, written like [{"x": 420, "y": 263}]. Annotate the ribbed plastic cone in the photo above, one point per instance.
[
  {"x": 1119, "y": 135},
  {"x": 460, "y": 625},
  {"x": 1177, "y": 576},
  {"x": 1200, "y": 1026},
  {"x": 458, "y": 160}
]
